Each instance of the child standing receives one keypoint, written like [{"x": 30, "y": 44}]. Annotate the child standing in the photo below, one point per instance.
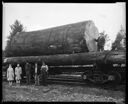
[
  {"x": 18, "y": 72},
  {"x": 10, "y": 74}
]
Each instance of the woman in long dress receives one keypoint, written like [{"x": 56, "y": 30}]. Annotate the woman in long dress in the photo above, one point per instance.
[
  {"x": 10, "y": 74},
  {"x": 18, "y": 72}
]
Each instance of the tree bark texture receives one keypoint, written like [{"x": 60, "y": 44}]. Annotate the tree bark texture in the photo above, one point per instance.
[
  {"x": 106, "y": 57},
  {"x": 73, "y": 38}
]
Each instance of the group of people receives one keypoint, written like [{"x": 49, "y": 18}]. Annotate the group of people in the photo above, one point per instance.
[
  {"x": 11, "y": 74},
  {"x": 39, "y": 73}
]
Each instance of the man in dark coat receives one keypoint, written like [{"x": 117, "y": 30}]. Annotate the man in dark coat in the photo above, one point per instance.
[
  {"x": 44, "y": 74},
  {"x": 100, "y": 42},
  {"x": 28, "y": 73}
]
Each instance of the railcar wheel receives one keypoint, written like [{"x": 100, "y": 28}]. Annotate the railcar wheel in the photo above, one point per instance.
[
  {"x": 114, "y": 78},
  {"x": 98, "y": 78},
  {"x": 85, "y": 75}
]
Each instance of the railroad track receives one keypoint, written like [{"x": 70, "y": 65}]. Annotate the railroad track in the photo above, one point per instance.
[
  {"x": 65, "y": 79},
  {"x": 76, "y": 80},
  {"x": 76, "y": 83},
  {"x": 70, "y": 80},
  {"x": 53, "y": 81}
]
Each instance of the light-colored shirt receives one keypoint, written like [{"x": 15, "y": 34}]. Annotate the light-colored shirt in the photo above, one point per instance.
[
  {"x": 35, "y": 69},
  {"x": 44, "y": 66},
  {"x": 18, "y": 72},
  {"x": 10, "y": 73}
]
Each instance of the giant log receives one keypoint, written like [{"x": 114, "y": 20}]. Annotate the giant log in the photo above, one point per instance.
[
  {"x": 72, "y": 38},
  {"x": 106, "y": 57}
]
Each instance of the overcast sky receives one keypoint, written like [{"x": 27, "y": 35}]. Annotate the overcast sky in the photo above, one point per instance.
[{"x": 36, "y": 16}]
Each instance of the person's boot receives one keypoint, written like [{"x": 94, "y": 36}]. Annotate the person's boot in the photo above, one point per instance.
[
  {"x": 11, "y": 84},
  {"x": 16, "y": 83},
  {"x": 27, "y": 82},
  {"x": 36, "y": 83},
  {"x": 19, "y": 82}
]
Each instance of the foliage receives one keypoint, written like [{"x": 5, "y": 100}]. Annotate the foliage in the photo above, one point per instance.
[
  {"x": 120, "y": 41},
  {"x": 15, "y": 28},
  {"x": 3, "y": 53}
]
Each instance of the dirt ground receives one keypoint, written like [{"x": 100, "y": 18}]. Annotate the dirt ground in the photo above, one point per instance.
[{"x": 55, "y": 93}]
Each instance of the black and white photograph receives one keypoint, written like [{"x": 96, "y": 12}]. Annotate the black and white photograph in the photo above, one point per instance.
[{"x": 64, "y": 52}]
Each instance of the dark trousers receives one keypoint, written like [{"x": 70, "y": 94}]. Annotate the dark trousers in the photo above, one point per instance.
[
  {"x": 100, "y": 48},
  {"x": 44, "y": 78},
  {"x": 28, "y": 79}
]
